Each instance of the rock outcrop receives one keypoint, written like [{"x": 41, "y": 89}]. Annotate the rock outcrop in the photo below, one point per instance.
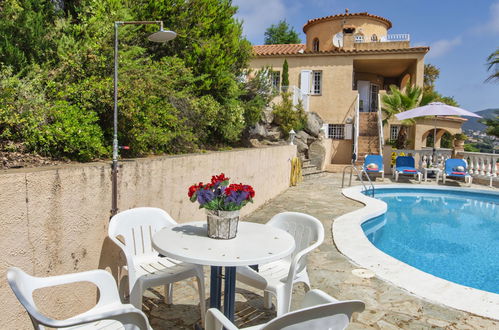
[{"x": 308, "y": 140}]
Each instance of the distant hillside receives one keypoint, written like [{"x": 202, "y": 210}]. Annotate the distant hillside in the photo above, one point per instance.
[{"x": 473, "y": 124}]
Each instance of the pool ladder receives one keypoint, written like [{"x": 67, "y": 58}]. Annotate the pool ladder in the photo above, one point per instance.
[{"x": 359, "y": 175}]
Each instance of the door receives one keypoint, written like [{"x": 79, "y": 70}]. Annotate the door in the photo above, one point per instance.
[
  {"x": 373, "y": 98},
  {"x": 364, "y": 89}
]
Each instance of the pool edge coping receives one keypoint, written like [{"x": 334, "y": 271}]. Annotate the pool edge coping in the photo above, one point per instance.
[{"x": 351, "y": 241}]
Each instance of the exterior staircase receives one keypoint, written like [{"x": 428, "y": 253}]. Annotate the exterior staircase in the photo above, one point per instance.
[
  {"x": 309, "y": 170},
  {"x": 368, "y": 136}
]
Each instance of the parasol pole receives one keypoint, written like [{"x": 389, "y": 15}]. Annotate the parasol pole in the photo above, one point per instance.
[{"x": 434, "y": 140}]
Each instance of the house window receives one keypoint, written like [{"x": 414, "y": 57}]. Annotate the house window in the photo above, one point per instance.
[
  {"x": 374, "y": 38},
  {"x": 316, "y": 82},
  {"x": 359, "y": 38},
  {"x": 394, "y": 132},
  {"x": 276, "y": 79},
  {"x": 336, "y": 131},
  {"x": 316, "y": 45}
]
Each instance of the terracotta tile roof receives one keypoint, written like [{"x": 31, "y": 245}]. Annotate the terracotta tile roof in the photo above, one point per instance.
[
  {"x": 346, "y": 15},
  {"x": 299, "y": 49},
  {"x": 284, "y": 49}
]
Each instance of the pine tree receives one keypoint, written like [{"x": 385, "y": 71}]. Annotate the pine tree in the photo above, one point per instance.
[
  {"x": 285, "y": 74},
  {"x": 281, "y": 33}
]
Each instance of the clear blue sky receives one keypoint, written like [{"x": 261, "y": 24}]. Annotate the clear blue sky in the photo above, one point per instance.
[{"x": 461, "y": 35}]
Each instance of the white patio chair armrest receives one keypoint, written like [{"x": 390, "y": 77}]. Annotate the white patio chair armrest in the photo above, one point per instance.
[
  {"x": 316, "y": 297},
  {"x": 215, "y": 320},
  {"x": 257, "y": 280},
  {"x": 301, "y": 254},
  {"x": 128, "y": 255},
  {"x": 126, "y": 314},
  {"x": 105, "y": 282}
]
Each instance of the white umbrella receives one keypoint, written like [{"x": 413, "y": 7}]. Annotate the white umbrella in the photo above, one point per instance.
[{"x": 435, "y": 109}]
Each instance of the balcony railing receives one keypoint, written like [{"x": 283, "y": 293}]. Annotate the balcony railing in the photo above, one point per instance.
[
  {"x": 395, "y": 37},
  {"x": 480, "y": 165},
  {"x": 388, "y": 38}
]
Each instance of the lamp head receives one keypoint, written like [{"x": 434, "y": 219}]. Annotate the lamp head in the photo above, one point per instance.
[{"x": 162, "y": 36}]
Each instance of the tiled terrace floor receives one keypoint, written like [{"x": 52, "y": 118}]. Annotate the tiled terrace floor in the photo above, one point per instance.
[{"x": 388, "y": 307}]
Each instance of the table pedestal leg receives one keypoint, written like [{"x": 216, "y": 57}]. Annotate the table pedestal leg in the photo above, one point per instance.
[
  {"x": 230, "y": 292},
  {"x": 215, "y": 287}
]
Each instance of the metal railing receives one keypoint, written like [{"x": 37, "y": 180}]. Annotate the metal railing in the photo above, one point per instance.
[
  {"x": 298, "y": 96},
  {"x": 359, "y": 175},
  {"x": 381, "y": 141},
  {"x": 396, "y": 37},
  {"x": 356, "y": 129}
]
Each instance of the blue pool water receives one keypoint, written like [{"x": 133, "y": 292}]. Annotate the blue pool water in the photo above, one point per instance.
[{"x": 450, "y": 234}]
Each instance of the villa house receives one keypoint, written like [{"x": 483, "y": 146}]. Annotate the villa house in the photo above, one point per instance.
[{"x": 347, "y": 62}]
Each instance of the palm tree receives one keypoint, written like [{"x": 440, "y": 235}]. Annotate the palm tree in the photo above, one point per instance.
[
  {"x": 401, "y": 100},
  {"x": 493, "y": 63}
]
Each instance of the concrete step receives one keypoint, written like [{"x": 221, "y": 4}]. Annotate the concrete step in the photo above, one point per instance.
[
  {"x": 309, "y": 170},
  {"x": 336, "y": 168},
  {"x": 315, "y": 174}
]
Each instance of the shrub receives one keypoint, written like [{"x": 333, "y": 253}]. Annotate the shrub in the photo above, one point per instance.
[
  {"x": 288, "y": 116},
  {"x": 69, "y": 132}
]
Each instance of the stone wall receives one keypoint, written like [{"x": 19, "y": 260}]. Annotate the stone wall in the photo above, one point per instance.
[{"x": 54, "y": 220}]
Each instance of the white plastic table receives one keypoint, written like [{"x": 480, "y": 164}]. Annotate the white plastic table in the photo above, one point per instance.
[
  {"x": 431, "y": 169},
  {"x": 254, "y": 244}
]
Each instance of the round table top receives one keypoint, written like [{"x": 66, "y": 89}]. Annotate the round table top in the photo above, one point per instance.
[{"x": 254, "y": 244}]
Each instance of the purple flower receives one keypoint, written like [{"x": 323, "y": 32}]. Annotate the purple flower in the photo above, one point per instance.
[
  {"x": 236, "y": 197},
  {"x": 205, "y": 196}
]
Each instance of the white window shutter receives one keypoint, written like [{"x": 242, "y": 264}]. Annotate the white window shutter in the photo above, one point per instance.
[
  {"x": 325, "y": 129},
  {"x": 305, "y": 81},
  {"x": 348, "y": 131}
]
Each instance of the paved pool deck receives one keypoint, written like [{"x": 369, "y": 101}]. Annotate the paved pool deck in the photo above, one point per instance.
[{"x": 387, "y": 306}]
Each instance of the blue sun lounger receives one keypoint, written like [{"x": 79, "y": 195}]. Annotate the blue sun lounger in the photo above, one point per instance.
[
  {"x": 373, "y": 164},
  {"x": 405, "y": 165},
  {"x": 456, "y": 168}
]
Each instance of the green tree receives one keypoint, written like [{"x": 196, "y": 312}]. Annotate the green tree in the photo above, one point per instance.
[
  {"x": 281, "y": 33},
  {"x": 25, "y": 26},
  {"x": 256, "y": 95},
  {"x": 431, "y": 74},
  {"x": 56, "y": 83},
  {"x": 493, "y": 65},
  {"x": 492, "y": 125},
  {"x": 289, "y": 116},
  {"x": 285, "y": 74}
]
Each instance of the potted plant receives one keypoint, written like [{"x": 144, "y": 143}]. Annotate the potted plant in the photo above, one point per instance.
[
  {"x": 459, "y": 139},
  {"x": 222, "y": 202}
]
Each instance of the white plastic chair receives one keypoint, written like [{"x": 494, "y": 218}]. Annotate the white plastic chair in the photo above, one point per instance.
[
  {"x": 319, "y": 311},
  {"x": 278, "y": 277},
  {"x": 108, "y": 313},
  {"x": 145, "y": 267}
]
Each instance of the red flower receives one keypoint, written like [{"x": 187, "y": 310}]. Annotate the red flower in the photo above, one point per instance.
[
  {"x": 218, "y": 178},
  {"x": 194, "y": 188}
]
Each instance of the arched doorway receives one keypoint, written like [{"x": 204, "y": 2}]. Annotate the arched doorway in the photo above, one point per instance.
[{"x": 444, "y": 138}]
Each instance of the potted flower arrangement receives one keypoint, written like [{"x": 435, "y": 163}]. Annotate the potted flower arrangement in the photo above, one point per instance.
[
  {"x": 222, "y": 202},
  {"x": 459, "y": 139}
]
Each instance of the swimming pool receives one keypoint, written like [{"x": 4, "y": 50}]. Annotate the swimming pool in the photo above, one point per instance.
[
  {"x": 452, "y": 223},
  {"x": 450, "y": 234}
]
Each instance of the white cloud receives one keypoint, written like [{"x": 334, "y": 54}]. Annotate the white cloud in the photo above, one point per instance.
[
  {"x": 258, "y": 15},
  {"x": 492, "y": 25},
  {"x": 441, "y": 47}
]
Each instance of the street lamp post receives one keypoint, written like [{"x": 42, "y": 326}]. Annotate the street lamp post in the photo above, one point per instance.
[{"x": 160, "y": 36}]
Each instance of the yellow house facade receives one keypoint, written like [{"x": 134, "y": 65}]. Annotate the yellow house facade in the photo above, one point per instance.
[{"x": 347, "y": 62}]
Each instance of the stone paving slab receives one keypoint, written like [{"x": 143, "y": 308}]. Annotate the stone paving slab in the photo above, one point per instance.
[{"x": 387, "y": 306}]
